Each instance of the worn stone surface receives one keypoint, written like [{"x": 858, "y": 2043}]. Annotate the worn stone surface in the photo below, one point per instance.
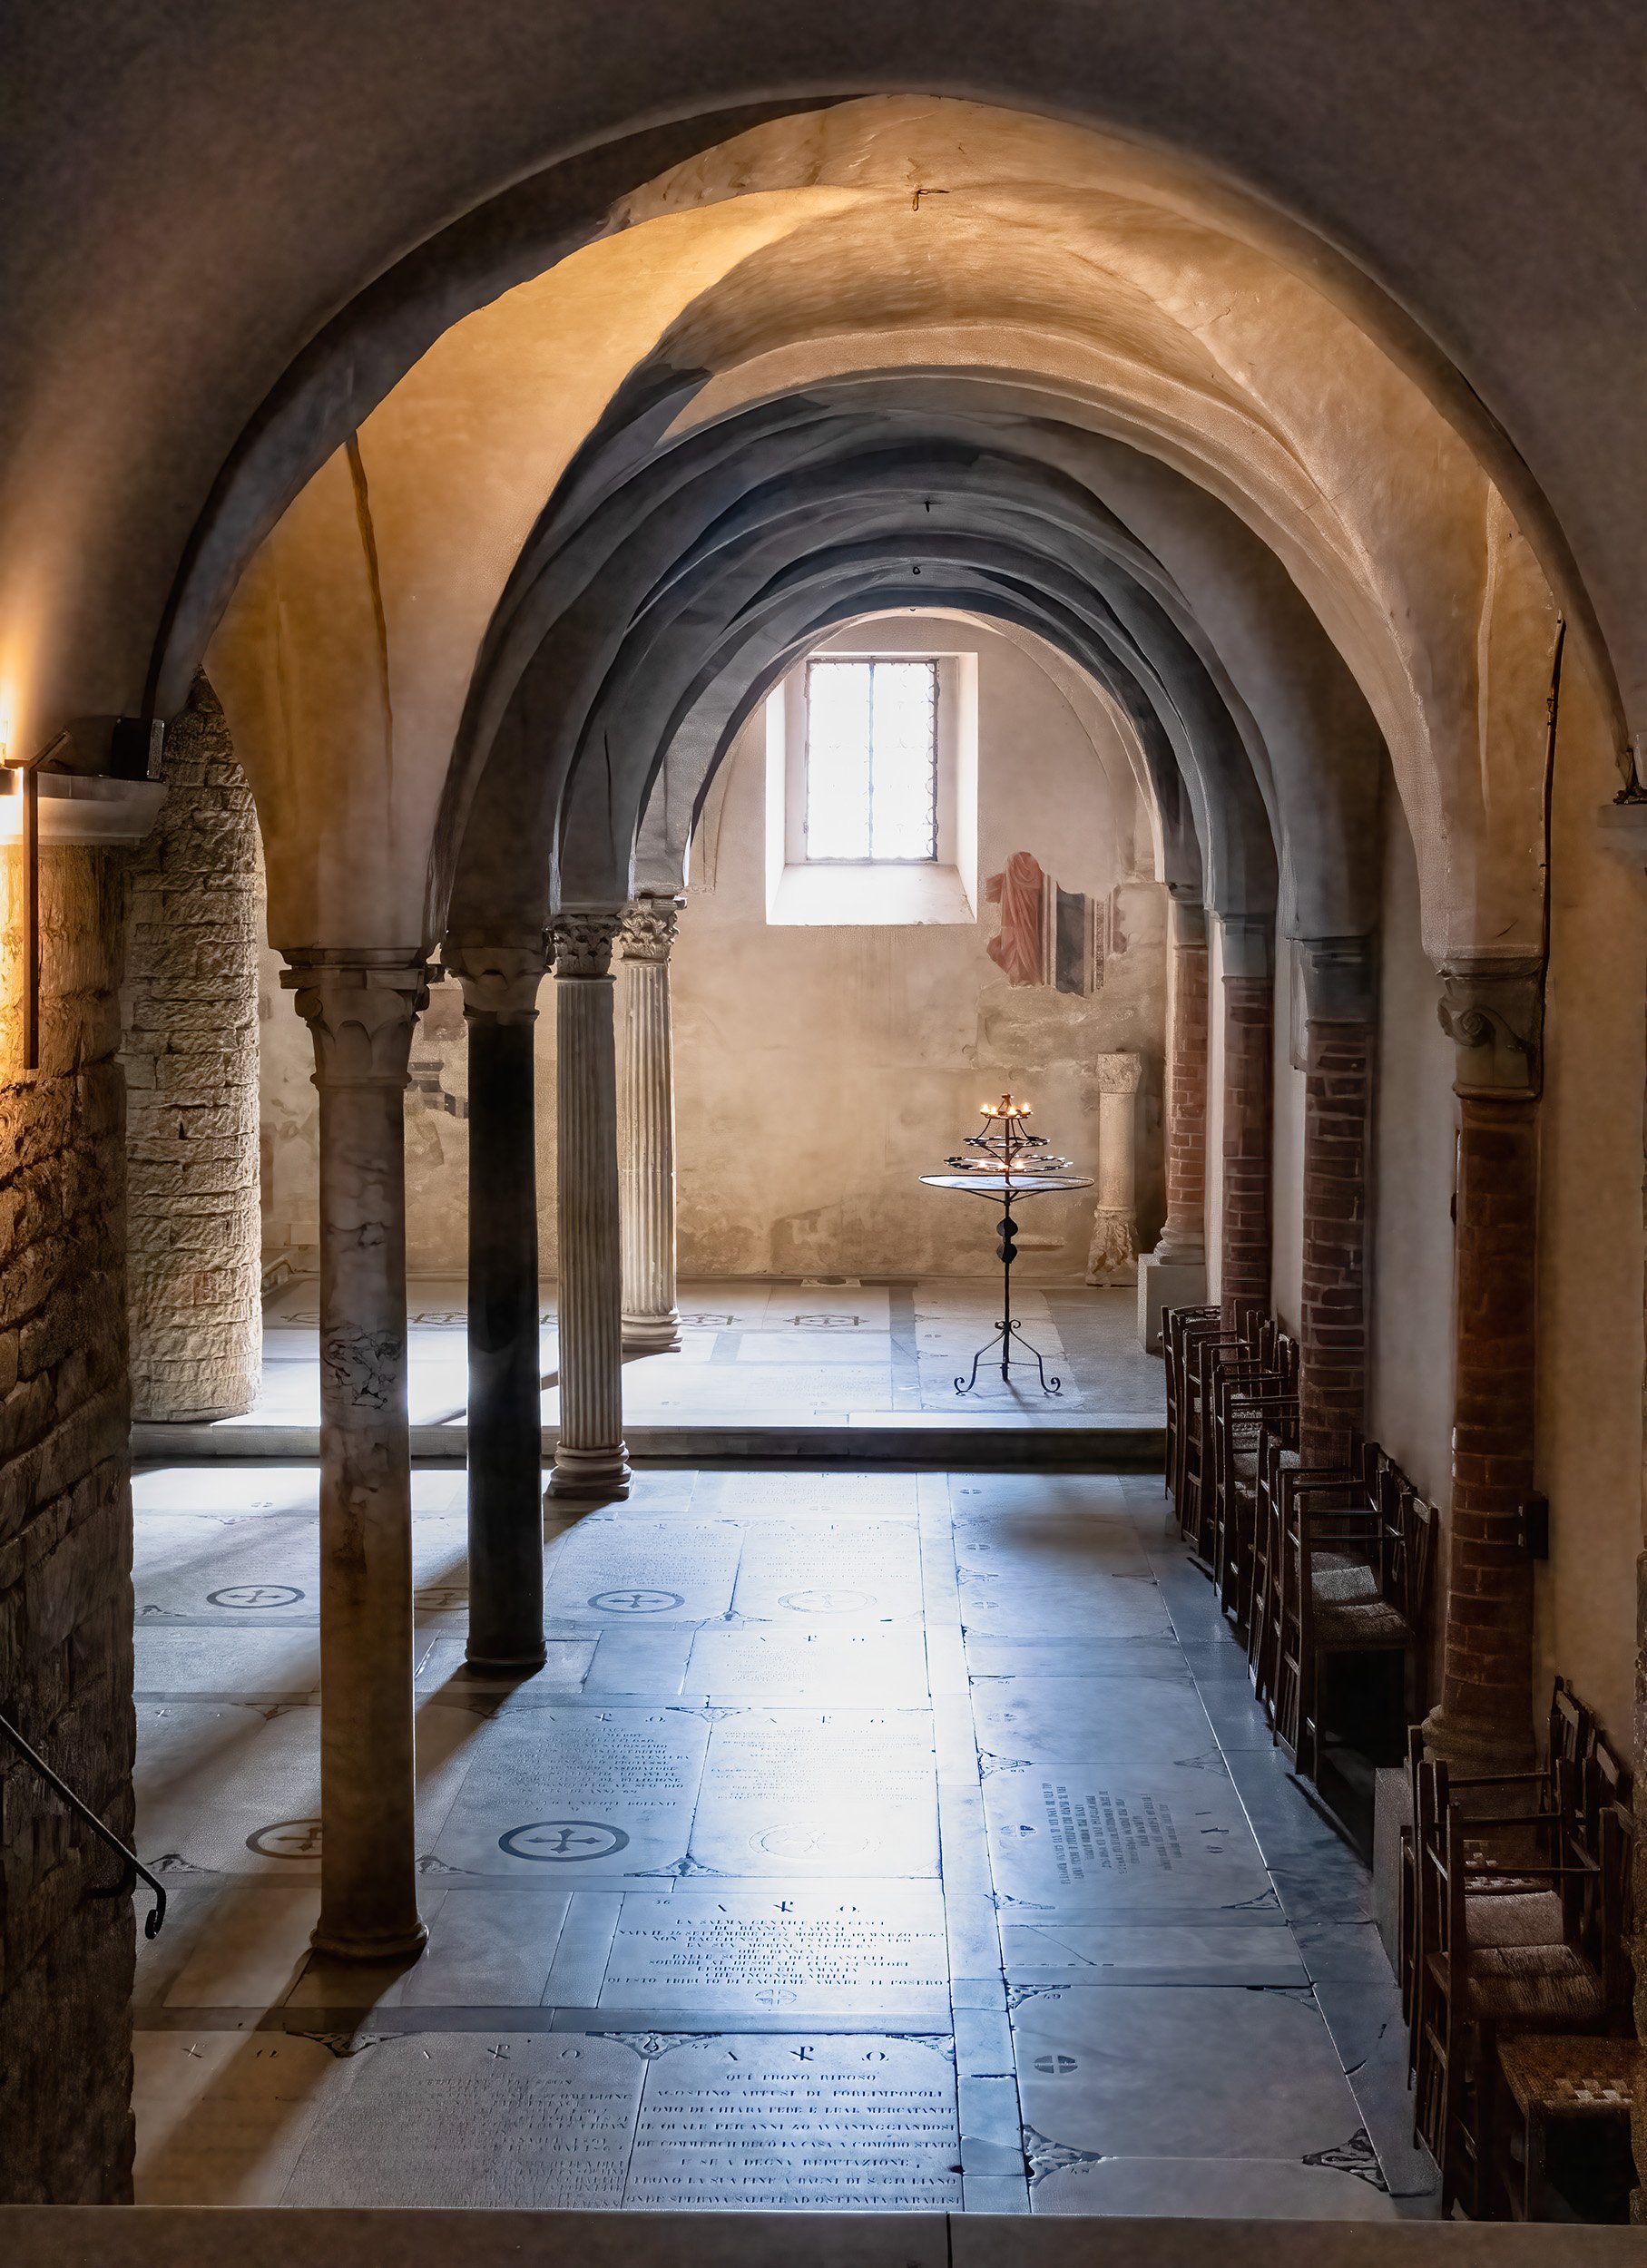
[
  {"x": 65, "y": 1548},
  {"x": 191, "y": 1058}
]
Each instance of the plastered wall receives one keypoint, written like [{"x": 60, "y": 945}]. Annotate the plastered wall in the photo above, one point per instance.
[
  {"x": 1410, "y": 1373},
  {"x": 820, "y": 1070},
  {"x": 1590, "y": 1249}
]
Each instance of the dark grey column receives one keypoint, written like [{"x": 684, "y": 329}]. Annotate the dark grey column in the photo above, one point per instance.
[{"x": 500, "y": 986}]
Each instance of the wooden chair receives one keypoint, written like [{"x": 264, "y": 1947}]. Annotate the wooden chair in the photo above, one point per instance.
[
  {"x": 1360, "y": 1584},
  {"x": 1178, "y": 1327},
  {"x": 1543, "y": 2079},
  {"x": 1252, "y": 1399},
  {"x": 1289, "y": 1489},
  {"x": 1514, "y": 1940},
  {"x": 1570, "y": 1741},
  {"x": 1207, "y": 1349}
]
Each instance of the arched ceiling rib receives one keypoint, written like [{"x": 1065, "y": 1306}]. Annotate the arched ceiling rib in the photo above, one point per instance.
[{"x": 1023, "y": 288}]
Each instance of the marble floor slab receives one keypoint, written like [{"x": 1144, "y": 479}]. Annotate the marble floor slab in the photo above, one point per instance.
[
  {"x": 874, "y": 1842},
  {"x": 772, "y": 1350}
]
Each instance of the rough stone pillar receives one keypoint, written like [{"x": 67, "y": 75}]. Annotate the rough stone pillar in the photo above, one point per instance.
[
  {"x": 651, "y": 1321},
  {"x": 590, "y": 1457},
  {"x": 1175, "y": 1274},
  {"x": 66, "y": 1546},
  {"x": 500, "y": 987},
  {"x": 1494, "y": 1013},
  {"x": 361, "y": 1008},
  {"x": 191, "y": 1058},
  {"x": 1248, "y": 1113},
  {"x": 1337, "y": 975},
  {"x": 1112, "y": 1257}
]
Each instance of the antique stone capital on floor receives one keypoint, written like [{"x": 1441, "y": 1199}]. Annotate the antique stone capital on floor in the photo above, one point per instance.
[
  {"x": 649, "y": 924},
  {"x": 582, "y": 937},
  {"x": 499, "y": 980},
  {"x": 361, "y": 1003},
  {"x": 1493, "y": 1013}
]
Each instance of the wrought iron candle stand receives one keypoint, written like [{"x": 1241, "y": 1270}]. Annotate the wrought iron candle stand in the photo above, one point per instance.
[{"x": 1008, "y": 1162}]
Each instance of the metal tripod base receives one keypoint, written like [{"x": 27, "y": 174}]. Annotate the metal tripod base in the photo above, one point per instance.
[{"x": 1004, "y": 1334}]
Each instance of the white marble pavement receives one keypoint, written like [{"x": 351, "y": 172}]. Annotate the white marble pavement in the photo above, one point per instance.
[
  {"x": 775, "y": 1352},
  {"x": 869, "y": 1840}
]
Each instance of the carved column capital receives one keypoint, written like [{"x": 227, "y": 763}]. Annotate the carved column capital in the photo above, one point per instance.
[
  {"x": 649, "y": 928},
  {"x": 499, "y": 980},
  {"x": 1117, "y": 1074},
  {"x": 1493, "y": 1013},
  {"x": 583, "y": 938},
  {"x": 362, "y": 1006}
]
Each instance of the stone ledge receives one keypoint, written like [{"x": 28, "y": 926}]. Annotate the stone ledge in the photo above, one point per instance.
[
  {"x": 1125, "y": 1445},
  {"x": 165, "y": 2236}
]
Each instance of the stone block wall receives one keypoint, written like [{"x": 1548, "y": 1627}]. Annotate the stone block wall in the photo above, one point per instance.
[
  {"x": 192, "y": 1074},
  {"x": 66, "y": 1546}
]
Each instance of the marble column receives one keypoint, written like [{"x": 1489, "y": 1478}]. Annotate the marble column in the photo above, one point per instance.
[
  {"x": 1493, "y": 1013},
  {"x": 1248, "y": 1113},
  {"x": 500, "y": 988},
  {"x": 1339, "y": 978},
  {"x": 361, "y": 1008},
  {"x": 651, "y": 1321},
  {"x": 1112, "y": 1257},
  {"x": 1175, "y": 1274},
  {"x": 590, "y": 1457}
]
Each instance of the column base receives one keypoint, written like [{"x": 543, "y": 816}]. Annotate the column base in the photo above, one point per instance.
[
  {"x": 392, "y": 1945},
  {"x": 511, "y": 1666},
  {"x": 590, "y": 1473},
  {"x": 1167, "y": 1282},
  {"x": 1112, "y": 1260},
  {"x": 1471, "y": 1745},
  {"x": 651, "y": 1334}
]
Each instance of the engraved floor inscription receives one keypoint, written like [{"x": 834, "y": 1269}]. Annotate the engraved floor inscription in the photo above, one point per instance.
[
  {"x": 816, "y": 1950},
  {"x": 829, "y": 2124}
]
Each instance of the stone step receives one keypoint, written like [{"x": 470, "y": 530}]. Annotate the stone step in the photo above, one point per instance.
[{"x": 927, "y": 1441}]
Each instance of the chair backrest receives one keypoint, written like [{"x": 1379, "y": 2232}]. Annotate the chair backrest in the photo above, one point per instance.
[{"x": 1572, "y": 1727}]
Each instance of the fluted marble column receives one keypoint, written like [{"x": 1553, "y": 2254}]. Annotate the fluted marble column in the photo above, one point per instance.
[
  {"x": 590, "y": 1458},
  {"x": 1114, "y": 1255},
  {"x": 361, "y": 1008},
  {"x": 500, "y": 987},
  {"x": 652, "y": 1322}
]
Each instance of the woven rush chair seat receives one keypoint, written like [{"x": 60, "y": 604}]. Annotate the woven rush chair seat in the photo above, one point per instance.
[
  {"x": 1342, "y": 1581},
  {"x": 1575, "y": 2078},
  {"x": 1246, "y": 1463},
  {"x": 1548, "y": 2077},
  {"x": 1523, "y": 1917},
  {"x": 1352, "y": 1626},
  {"x": 1533, "y": 1984}
]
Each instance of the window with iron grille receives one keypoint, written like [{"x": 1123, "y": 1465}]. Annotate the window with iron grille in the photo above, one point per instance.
[{"x": 872, "y": 762}]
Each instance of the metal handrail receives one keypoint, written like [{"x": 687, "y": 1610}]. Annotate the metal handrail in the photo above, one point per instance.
[{"x": 132, "y": 1866}]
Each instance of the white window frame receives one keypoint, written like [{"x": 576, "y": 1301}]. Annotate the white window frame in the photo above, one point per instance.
[
  {"x": 873, "y": 662},
  {"x": 873, "y": 893}
]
